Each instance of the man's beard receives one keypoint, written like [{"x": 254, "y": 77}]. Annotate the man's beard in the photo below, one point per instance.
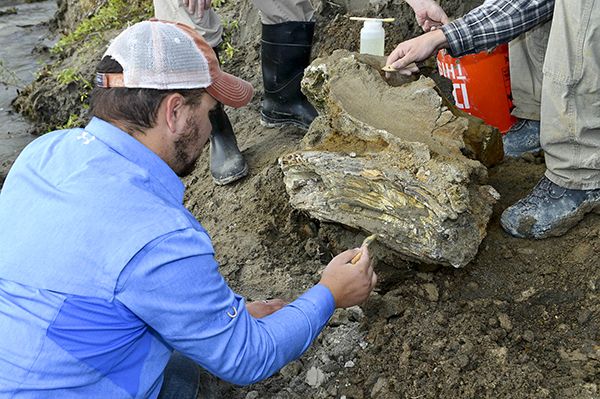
[{"x": 186, "y": 163}]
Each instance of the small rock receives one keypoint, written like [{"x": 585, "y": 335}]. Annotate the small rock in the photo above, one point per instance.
[
  {"x": 500, "y": 354},
  {"x": 340, "y": 317},
  {"x": 497, "y": 334},
  {"x": 312, "y": 248},
  {"x": 252, "y": 395},
  {"x": 584, "y": 316},
  {"x": 505, "y": 322},
  {"x": 493, "y": 322},
  {"x": 349, "y": 364},
  {"x": 462, "y": 361},
  {"x": 467, "y": 347},
  {"x": 592, "y": 352},
  {"x": 591, "y": 388},
  {"x": 525, "y": 295},
  {"x": 574, "y": 356},
  {"x": 324, "y": 358},
  {"x": 291, "y": 369},
  {"x": 523, "y": 359},
  {"x": 472, "y": 286},
  {"x": 355, "y": 313},
  {"x": 432, "y": 292},
  {"x": 441, "y": 319},
  {"x": 506, "y": 252},
  {"x": 528, "y": 157},
  {"x": 379, "y": 385},
  {"x": 392, "y": 306},
  {"x": 315, "y": 377},
  {"x": 528, "y": 336},
  {"x": 525, "y": 251},
  {"x": 425, "y": 276},
  {"x": 406, "y": 353},
  {"x": 543, "y": 393},
  {"x": 308, "y": 229},
  {"x": 332, "y": 390}
]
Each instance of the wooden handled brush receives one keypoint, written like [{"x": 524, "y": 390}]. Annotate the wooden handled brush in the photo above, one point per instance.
[{"x": 365, "y": 243}]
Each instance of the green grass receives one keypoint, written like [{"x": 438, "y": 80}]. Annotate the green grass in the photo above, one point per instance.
[
  {"x": 110, "y": 16},
  {"x": 230, "y": 27},
  {"x": 218, "y": 3},
  {"x": 74, "y": 121}
]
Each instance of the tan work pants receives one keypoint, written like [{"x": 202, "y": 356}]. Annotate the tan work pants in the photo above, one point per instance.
[
  {"x": 209, "y": 26},
  {"x": 526, "y": 54},
  {"x": 555, "y": 78},
  {"x": 570, "y": 106}
]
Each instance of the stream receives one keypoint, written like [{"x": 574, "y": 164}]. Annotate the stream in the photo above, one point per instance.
[{"x": 22, "y": 30}]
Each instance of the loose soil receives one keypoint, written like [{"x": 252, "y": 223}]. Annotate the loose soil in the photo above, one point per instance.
[{"x": 521, "y": 321}]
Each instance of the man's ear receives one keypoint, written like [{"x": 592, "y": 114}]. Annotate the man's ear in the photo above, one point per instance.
[{"x": 174, "y": 104}]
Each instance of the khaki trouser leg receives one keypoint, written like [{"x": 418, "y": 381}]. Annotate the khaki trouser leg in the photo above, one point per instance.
[
  {"x": 570, "y": 113},
  {"x": 278, "y": 11},
  {"x": 526, "y": 54},
  {"x": 209, "y": 26},
  {"x": 271, "y": 12}
]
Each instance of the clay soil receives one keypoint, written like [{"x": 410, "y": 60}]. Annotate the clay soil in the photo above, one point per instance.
[{"x": 521, "y": 321}]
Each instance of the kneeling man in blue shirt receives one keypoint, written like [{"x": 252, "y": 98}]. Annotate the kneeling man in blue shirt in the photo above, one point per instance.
[{"x": 104, "y": 274}]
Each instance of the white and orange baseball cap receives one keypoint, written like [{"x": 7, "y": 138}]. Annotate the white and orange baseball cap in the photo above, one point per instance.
[{"x": 165, "y": 55}]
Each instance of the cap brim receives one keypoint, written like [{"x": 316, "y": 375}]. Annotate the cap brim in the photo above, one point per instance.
[{"x": 231, "y": 90}]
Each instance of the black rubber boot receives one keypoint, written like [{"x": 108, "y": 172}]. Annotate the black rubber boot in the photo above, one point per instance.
[
  {"x": 285, "y": 52},
  {"x": 227, "y": 164}
]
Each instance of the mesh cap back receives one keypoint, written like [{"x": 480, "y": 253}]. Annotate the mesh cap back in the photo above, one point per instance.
[{"x": 164, "y": 55}]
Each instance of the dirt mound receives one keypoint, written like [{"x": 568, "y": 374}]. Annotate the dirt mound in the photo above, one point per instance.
[{"x": 520, "y": 321}]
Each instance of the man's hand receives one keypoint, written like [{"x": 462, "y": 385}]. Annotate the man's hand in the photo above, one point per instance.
[
  {"x": 429, "y": 14},
  {"x": 259, "y": 309},
  {"x": 196, "y": 7},
  {"x": 349, "y": 283},
  {"x": 417, "y": 49}
]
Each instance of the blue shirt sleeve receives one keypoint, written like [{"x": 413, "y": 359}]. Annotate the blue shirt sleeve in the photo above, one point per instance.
[{"x": 174, "y": 285}]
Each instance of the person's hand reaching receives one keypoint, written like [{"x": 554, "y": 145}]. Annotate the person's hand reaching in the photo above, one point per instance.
[
  {"x": 196, "y": 7},
  {"x": 416, "y": 49},
  {"x": 350, "y": 284},
  {"x": 429, "y": 14}
]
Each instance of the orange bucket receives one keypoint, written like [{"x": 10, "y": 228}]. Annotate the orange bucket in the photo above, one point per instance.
[{"x": 481, "y": 85}]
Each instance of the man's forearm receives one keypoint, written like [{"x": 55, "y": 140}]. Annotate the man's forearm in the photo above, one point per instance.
[{"x": 495, "y": 22}]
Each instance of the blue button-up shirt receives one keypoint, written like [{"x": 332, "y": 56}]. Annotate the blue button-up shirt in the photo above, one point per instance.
[{"x": 103, "y": 273}]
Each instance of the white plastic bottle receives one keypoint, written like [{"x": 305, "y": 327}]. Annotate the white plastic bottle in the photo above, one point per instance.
[{"x": 372, "y": 37}]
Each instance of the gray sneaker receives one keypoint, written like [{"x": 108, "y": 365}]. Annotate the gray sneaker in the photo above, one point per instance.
[
  {"x": 549, "y": 210},
  {"x": 523, "y": 137}
]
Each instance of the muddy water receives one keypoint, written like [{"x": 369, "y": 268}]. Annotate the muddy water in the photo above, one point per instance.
[{"x": 20, "y": 33}]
